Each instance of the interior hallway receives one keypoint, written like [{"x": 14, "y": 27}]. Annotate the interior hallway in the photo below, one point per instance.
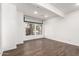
[{"x": 43, "y": 47}]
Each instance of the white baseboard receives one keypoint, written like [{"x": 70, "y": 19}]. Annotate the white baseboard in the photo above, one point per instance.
[
  {"x": 1, "y": 52},
  {"x": 6, "y": 49},
  {"x": 20, "y": 42},
  {"x": 64, "y": 41}
]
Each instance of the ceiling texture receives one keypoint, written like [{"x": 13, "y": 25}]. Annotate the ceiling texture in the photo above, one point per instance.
[
  {"x": 29, "y": 8},
  {"x": 66, "y": 7}
]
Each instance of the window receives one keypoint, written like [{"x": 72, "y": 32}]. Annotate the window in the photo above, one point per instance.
[{"x": 33, "y": 28}]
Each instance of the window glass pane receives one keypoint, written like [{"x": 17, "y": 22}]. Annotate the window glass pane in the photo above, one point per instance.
[{"x": 33, "y": 29}]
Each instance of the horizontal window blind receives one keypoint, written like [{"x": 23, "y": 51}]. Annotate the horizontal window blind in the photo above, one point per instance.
[{"x": 32, "y": 20}]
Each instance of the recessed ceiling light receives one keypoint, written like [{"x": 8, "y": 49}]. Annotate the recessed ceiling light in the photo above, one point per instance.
[
  {"x": 77, "y": 3},
  {"x": 35, "y": 12},
  {"x": 45, "y": 16}
]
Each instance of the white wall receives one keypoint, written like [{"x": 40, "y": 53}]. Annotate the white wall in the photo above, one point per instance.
[
  {"x": 9, "y": 26},
  {"x": 64, "y": 29},
  {"x": 13, "y": 27},
  {"x": 0, "y": 26},
  {"x": 20, "y": 26}
]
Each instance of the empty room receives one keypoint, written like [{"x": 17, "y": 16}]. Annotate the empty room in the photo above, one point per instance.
[{"x": 39, "y": 29}]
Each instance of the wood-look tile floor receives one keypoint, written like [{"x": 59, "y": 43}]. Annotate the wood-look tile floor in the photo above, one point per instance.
[{"x": 44, "y": 47}]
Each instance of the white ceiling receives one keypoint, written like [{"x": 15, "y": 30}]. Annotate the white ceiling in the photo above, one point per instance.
[
  {"x": 66, "y": 7},
  {"x": 29, "y": 8}
]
